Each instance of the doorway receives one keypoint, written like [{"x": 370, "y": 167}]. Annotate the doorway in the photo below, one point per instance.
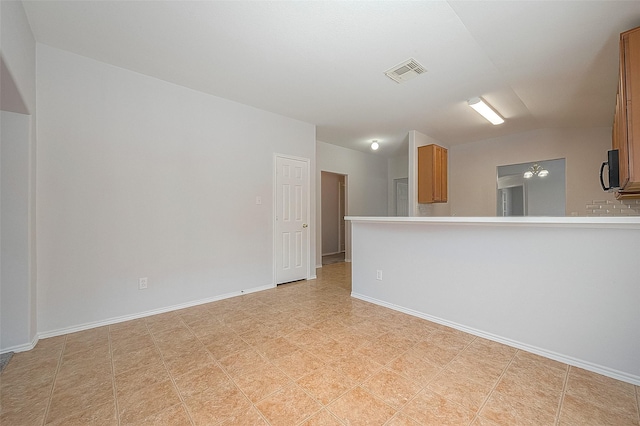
[
  {"x": 401, "y": 192},
  {"x": 512, "y": 201},
  {"x": 334, "y": 209}
]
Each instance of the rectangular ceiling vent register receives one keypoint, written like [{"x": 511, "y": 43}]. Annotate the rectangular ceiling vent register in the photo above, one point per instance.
[{"x": 405, "y": 71}]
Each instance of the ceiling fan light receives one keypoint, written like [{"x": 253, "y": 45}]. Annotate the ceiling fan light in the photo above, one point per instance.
[{"x": 485, "y": 110}]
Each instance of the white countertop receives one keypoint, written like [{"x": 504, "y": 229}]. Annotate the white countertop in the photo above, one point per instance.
[{"x": 547, "y": 221}]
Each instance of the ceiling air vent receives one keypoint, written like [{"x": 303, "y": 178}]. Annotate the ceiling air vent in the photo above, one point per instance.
[{"x": 405, "y": 71}]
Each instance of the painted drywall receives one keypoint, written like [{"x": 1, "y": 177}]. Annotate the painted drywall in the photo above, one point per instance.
[
  {"x": 10, "y": 97},
  {"x": 15, "y": 294},
  {"x": 138, "y": 177},
  {"x": 18, "y": 51},
  {"x": 545, "y": 196},
  {"x": 417, "y": 139},
  {"x": 472, "y": 167},
  {"x": 366, "y": 185},
  {"x": 549, "y": 290}
]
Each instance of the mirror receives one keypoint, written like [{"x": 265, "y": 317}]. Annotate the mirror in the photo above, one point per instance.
[{"x": 531, "y": 189}]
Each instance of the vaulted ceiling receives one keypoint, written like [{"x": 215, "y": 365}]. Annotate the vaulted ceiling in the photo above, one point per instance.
[{"x": 542, "y": 64}]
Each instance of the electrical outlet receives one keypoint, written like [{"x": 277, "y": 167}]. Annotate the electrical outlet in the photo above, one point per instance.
[
  {"x": 142, "y": 283},
  {"x": 379, "y": 275}
]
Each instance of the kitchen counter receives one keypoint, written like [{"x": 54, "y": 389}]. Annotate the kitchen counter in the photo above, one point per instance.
[{"x": 567, "y": 221}]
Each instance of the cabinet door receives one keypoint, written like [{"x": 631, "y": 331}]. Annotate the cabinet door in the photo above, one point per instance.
[
  {"x": 620, "y": 140},
  {"x": 432, "y": 174},
  {"x": 440, "y": 175},
  {"x": 628, "y": 114}
]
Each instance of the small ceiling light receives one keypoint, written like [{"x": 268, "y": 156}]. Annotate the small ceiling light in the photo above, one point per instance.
[
  {"x": 486, "y": 111},
  {"x": 535, "y": 170},
  {"x": 375, "y": 145}
]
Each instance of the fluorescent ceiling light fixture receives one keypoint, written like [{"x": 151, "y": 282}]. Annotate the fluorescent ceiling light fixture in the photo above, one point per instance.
[
  {"x": 375, "y": 145},
  {"x": 485, "y": 110}
]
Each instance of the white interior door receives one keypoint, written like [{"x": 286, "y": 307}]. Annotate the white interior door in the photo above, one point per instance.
[{"x": 291, "y": 219}]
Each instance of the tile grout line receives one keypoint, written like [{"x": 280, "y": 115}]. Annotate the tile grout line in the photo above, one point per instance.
[
  {"x": 426, "y": 385},
  {"x": 254, "y": 349},
  {"x": 155, "y": 343},
  {"x": 224, "y": 370},
  {"x": 113, "y": 376},
  {"x": 442, "y": 370},
  {"x": 358, "y": 384},
  {"x": 399, "y": 411},
  {"x": 564, "y": 391},
  {"x": 50, "y": 407},
  {"x": 291, "y": 382},
  {"x": 294, "y": 382},
  {"x": 53, "y": 385},
  {"x": 637, "y": 388},
  {"x": 495, "y": 386},
  {"x": 475, "y": 415}
]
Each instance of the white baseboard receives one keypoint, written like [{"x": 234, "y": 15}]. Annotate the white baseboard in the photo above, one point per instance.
[
  {"x": 116, "y": 320},
  {"x": 21, "y": 348},
  {"x": 332, "y": 253},
  {"x": 605, "y": 371}
]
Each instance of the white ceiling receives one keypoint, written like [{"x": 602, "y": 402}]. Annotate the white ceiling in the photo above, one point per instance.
[{"x": 542, "y": 64}]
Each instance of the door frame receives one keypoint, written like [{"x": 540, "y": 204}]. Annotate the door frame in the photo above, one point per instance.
[
  {"x": 396, "y": 182},
  {"x": 342, "y": 212},
  {"x": 274, "y": 210},
  {"x": 347, "y": 224},
  {"x": 342, "y": 195}
]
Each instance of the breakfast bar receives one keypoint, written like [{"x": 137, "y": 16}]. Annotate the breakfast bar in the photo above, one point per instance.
[{"x": 567, "y": 288}]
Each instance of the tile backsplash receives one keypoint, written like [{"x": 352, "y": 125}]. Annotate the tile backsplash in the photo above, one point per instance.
[{"x": 614, "y": 208}]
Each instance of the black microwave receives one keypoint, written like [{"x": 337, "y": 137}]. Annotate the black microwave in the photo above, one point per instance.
[{"x": 613, "y": 166}]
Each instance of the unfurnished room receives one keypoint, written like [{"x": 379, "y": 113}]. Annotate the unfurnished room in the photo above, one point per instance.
[{"x": 319, "y": 212}]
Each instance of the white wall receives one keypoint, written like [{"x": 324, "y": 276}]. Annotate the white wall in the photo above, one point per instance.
[
  {"x": 555, "y": 291},
  {"x": 18, "y": 292},
  {"x": 15, "y": 294},
  {"x": 366, "y": 184},
  {"x": 547, "y": 197},
  {"x": 472, "y": 167},
  {"x": 138, "y": 177},
  {"x": 19, "y": 50}
]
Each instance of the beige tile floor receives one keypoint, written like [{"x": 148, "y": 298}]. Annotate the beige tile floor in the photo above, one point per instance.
[{"x": 303, "y": 353}]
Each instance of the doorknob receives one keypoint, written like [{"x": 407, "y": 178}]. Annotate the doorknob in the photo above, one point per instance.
[{"x": 304, "y": 225}]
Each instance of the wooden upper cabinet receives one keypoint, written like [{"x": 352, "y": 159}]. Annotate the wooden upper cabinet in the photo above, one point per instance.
[
  {"x": 432, "y": 174},
  {"x": 626, "y": 124}
]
